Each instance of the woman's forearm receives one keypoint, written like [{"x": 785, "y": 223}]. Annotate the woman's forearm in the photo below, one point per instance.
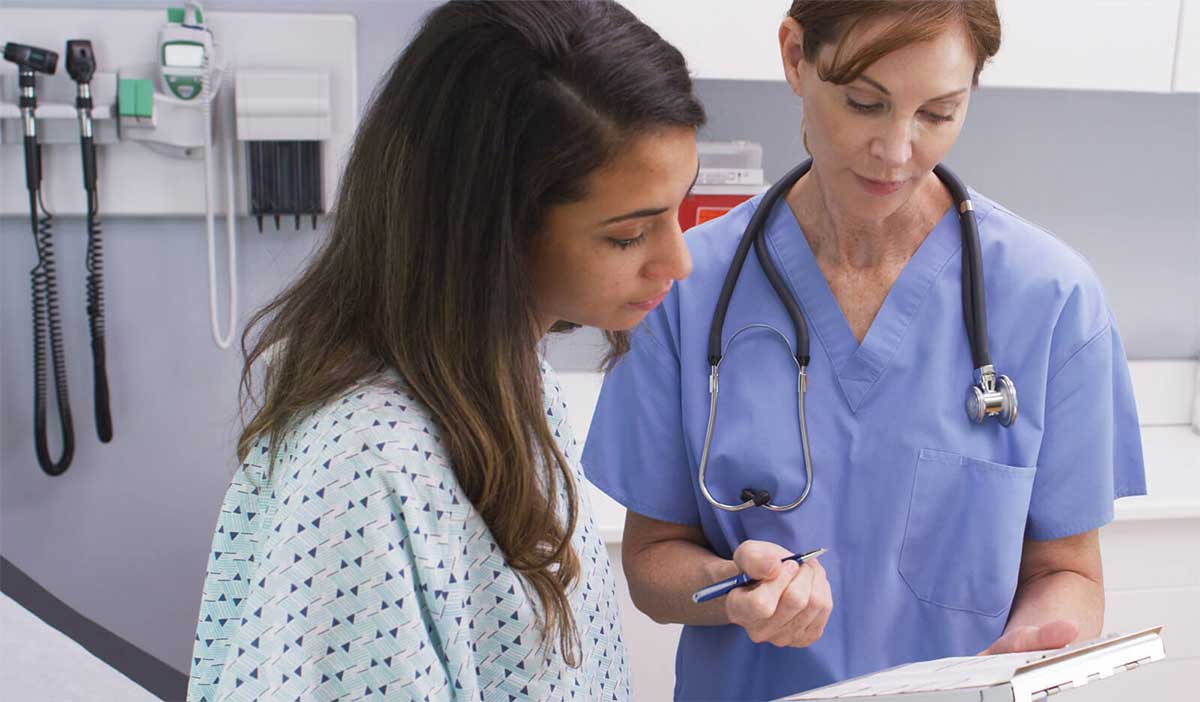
[
  {"x": 663, "y": 575},
  {"x": 1063, "y": 594}
]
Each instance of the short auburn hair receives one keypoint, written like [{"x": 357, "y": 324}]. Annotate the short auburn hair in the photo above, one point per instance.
[{"x": 829, "y": 22}]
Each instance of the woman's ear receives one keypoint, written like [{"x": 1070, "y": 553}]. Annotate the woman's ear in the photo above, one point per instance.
[{"x": 791, "y": 51}]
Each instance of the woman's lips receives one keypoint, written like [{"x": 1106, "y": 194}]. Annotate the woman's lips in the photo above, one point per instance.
[
  {"x": 880, "y": 187},
  {"x": 648, "y": 305}
]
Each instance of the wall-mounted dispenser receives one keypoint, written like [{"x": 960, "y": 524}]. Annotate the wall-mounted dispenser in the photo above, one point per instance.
[{"x": 283, "y": 116}]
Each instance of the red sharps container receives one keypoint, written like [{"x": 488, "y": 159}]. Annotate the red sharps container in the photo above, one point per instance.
[{"x": 730, "y": 173}]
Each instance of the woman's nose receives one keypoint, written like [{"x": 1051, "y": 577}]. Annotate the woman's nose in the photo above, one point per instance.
[
  {"x": 894, "y": 145},
  {"x": 672, "y": 261}
]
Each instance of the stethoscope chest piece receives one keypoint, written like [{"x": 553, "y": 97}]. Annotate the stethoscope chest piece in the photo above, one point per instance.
[{"x": 992, "y": 396}]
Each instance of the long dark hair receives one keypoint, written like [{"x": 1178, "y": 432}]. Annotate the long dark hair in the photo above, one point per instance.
[{"x": 492, "y": 114}]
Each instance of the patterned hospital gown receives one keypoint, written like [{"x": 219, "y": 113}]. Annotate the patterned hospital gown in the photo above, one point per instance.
[{"x": 360, "y": 571}]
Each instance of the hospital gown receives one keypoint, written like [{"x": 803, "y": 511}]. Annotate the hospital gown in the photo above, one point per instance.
[{"x": 359, "y": 570}]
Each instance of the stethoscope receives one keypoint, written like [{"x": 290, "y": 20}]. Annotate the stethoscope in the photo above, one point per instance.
[{"x": 990, "y": 395}]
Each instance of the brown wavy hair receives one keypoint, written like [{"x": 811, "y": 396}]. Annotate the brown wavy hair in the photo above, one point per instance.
[
  {"x": 494, "y": 113},
  {"x": 827, "y": 22}
]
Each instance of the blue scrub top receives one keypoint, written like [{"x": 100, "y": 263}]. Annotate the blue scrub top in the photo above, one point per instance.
[{"x": 924, "y": 512}]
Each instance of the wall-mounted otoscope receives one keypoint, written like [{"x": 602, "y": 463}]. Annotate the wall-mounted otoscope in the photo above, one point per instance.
[
  {"x": 81, "y": 65},
  {"x": 31, "y": 60}
]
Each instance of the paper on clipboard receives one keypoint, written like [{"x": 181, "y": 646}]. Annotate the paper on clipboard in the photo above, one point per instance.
[{"x": 1023, "y": 677}]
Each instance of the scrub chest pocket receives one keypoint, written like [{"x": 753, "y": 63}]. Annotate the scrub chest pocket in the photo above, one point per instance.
[{"x": 965, "y": 531}]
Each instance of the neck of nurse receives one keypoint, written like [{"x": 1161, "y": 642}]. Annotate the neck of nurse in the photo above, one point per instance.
[{"x": 845, "y": 239}]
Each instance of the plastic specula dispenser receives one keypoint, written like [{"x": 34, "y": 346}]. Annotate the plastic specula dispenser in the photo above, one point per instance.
[{"x": 284, "y": 118}]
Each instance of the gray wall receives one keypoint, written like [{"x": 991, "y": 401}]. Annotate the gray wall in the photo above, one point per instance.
[
  {"x": 124, "y": 535},
  {"x": 1115, "y": 175}
]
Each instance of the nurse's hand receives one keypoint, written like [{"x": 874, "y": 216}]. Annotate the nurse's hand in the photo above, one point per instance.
[
  {"x": 789, "y": 606},
  {"x": 1019, "y": 639}
]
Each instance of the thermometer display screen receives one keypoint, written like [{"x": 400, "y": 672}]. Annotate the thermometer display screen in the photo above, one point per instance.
[{"x": 183, "y": 55}]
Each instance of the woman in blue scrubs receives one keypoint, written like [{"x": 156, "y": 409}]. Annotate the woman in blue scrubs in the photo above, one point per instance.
[{"x": 945, "y": 537}]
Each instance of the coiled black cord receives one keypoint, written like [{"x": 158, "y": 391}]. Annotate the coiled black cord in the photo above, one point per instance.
[
  {"x": 46, "y": 322},
  {"x": 95, "y": 296}
]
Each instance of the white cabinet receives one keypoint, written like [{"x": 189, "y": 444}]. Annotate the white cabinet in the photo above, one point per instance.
[
  {"x": 1086, "y": 45},
  {"x": 1152, "y": 576},
  {"x": 1187, "y": 58},
  {"x": 1120, "y": 45},
  {"x": 720, "y": 39}
]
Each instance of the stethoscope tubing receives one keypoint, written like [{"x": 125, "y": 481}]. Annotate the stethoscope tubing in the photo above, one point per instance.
[
  {"x": 801, "y": 390},
  {"x": 974, "y": 318}
]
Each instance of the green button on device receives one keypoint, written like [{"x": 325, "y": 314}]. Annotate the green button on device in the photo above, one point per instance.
[{"x": 135, "y": 98}]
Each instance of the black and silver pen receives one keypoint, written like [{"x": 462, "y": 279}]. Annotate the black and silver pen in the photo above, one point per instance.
[{"x": 741, "y": 579}]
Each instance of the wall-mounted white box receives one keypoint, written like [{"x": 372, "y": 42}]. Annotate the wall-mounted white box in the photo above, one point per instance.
[{"x": 282, "y": 105}]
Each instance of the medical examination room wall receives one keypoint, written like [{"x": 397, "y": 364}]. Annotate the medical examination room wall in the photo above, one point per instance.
[{"x": 123, "y": 537}]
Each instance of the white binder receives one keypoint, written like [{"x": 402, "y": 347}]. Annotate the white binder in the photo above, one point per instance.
[{"x": 1013, "y": 677}]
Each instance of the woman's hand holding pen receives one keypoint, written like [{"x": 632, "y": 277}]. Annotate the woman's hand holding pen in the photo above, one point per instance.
[{"x": 791, "y": 604}]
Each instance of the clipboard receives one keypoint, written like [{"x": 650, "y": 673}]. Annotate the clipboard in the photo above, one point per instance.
[{"x": 1011, "y": 677}]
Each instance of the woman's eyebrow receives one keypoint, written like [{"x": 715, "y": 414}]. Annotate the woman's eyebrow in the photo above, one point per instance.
[
  {"x": 636, "y": 214},
  {"x": 880, "y": 87},
  {"x": 650, "y": 212}
]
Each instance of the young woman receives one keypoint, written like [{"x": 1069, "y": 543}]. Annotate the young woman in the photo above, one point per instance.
[{"x": 407, "y": 522}]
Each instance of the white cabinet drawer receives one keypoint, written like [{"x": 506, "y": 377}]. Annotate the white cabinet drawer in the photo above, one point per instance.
[
  {"x": 1064, "y": 44},
  {"x": 720, "y": 39},
  {"x": 1086, "y": 45}
]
